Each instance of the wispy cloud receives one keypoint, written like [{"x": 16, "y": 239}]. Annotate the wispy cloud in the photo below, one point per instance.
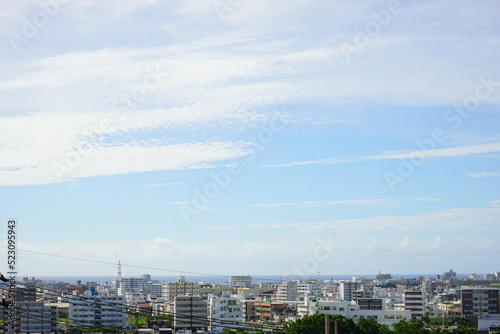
[
  {"x": 483, "y": 174},
  {"x": 427, "y": 199},
  {"x": 181, "y": 203},
  {"x": 19, "y": 169},
  {"x": 463, "y": 220},
  {"x": 152, "y": 185},
  {"x": 426, "y": 154},
  {"x": 383, "y": 203}
]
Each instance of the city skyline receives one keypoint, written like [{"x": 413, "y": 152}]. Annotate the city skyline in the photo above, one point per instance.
[{"x": 284, "y": 139}]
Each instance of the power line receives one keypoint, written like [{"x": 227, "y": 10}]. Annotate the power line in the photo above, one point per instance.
[{"x": 137, "y": 266}]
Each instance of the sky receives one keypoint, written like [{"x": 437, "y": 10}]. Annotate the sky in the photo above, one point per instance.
[{"x": 235, "y": 137}]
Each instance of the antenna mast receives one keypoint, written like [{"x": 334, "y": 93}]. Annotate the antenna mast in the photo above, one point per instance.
[{"x": 119, "y": 278}]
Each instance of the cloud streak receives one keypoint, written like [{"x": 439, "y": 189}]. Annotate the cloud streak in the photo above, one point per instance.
[
  {"x": 483, "y": 174},
  {"x": 423, "y": 154},
  {"x": 382, "y": 203},
  {"x": 463, "y": 220}
]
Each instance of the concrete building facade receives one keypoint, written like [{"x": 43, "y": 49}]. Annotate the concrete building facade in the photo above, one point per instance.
[
  {"x": 240, "y": 281},
  {"x": 190, "y": 312},
  {"x": 480, "y": 301},
  {"x": 179, "y": 288},
  {"x": 98, "y": 311},
  {"x": 224, "y": 312},
  {"x": 414, "y": 302}
]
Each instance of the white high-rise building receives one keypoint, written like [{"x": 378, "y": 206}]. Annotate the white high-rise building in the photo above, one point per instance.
[
  {"x": 287, "y": 291},
  {"x": 130, "y": 284},
  {"x": 224, "y": 312}
]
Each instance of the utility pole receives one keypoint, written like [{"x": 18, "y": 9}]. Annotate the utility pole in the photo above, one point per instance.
[{"x": 327, "y": 323}]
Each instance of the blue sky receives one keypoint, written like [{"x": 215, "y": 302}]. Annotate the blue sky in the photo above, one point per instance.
[{"x": 251, "y": 137}]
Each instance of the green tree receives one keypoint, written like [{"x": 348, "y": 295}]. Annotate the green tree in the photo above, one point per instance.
[
  {"x": 315, "y": 324},
  {"x": 464, "y": 322},
  {"x": 371, "y": 326},
  {"x": 465, "y": 326},
  {"x": 414, "y": 326}
]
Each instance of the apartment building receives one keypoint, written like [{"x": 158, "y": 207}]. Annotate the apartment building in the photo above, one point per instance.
[
  {"x": 267, "y": 310},
  {"x": 100, "y": 311},
  {"x": 248, "y": 309},
  {"x": 358, "y": 294},
  {"x": 287, "y": 291},
  {"x": 295, "y": 291},
  {"x": 34, "y": 317},
  {"x": 179, "y": 288},
  {"x": 240, "y": 281},
  {"x": 154, "y": 289},
  {"x": 480, "y": 301},
  {"x": 346, "y": 290},
  {"x": 414, "y": 302},
  {"x": 190, "y": 312},
  {"x": 224, "y": 312}
]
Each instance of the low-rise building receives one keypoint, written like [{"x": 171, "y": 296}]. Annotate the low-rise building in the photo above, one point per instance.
[
  {"x": 352, "y": 311},
  {"x": 489, "y": 322}
]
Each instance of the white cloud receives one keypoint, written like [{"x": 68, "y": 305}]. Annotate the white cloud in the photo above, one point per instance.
[
  {"x": 427, "y": 199},
  {"x": 422, "y": 154},
  {"x": 483, "y": 174},
  {"x": 152, "y": 185},
  {"x": 18, "y": 169},
  {"x": 438, "y": 221},
  {"x": 181, "y": 203},
  {"x": 383, "y": 203}
]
